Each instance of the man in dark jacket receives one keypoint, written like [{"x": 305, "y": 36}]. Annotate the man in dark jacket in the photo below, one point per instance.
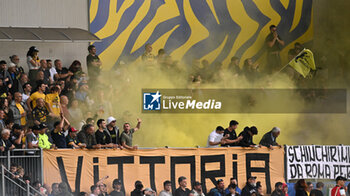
[
  {"x": 278, "y": 189},
  {"x": 269, "y": 139},
  {"x": 247, "y": 133},
  {"x": 219, "y": 189},
  {"x": 87, "y": 136},
  {"x": 250, "y": 187}
]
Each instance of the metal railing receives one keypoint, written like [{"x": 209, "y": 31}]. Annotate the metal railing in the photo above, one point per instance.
[
  {"x": 15, "y": 186},
  {"x": 29, "y": 159}
]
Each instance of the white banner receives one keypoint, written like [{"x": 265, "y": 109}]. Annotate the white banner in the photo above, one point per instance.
[{"x": 317, "y": 162}]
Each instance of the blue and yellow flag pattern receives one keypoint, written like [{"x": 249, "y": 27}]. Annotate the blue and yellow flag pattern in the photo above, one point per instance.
[{"x": 215, "y": 30}]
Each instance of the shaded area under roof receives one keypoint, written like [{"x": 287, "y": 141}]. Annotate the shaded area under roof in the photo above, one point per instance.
[{"x": 40, "y": 34}]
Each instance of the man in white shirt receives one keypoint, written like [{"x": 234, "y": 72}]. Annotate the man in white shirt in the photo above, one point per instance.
[{"x": 216, "y": 137}]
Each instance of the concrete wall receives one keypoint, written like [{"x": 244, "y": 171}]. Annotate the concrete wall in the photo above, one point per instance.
[{"x": 45, "y": 13}]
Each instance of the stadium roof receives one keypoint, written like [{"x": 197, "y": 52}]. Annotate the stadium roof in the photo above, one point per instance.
[{"x": 41, "y": 34}]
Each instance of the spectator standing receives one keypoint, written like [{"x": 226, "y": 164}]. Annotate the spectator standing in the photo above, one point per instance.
[
  {"x": 43, "y": 141},
  {"x": 117, "y": 188},
  {"x": 17, "y": 136},
  {"x": 62, "y": 72},
  {"x": 274, "y": 45},
  {"x": 27, "y": 88},
  {"x": 58, "y": 134},
  {"x": 285, "y": 189},
  {"x": 167, "y": 189},
  {"x": 95, "y": 190},
  {"x": 113, "y": 130},
  {"x": 126, "y": 136},
  {"x": 87, "y": 137},
  {"x": 2, "y": 120},
  {"x": 310, "y": 186},
  {"x": 197, "y": 189},
  {"x": 269, "y": 139},
  {"x": 18, "y": 110},
  {"x": 232, "y": 190},
  {"x": 230, "y": 133},
  {"x": 39, "y": 94},
  {"x": 182, "y": 190},
  {"x": 32, "y": 139},
  {"x": 43, "y": 67},
  {"x": 52, "y": 70},
  {"x": 234, "y": 182},
  {"x": 318, "y": 190},
  {"x": 102, "y": 135},
  {"x": 248, "y": 133},
  {"x": 15, "y": 80},
  {"x": 138, "y": 189},
  {"x": 339, "y": 189},
  {"x": 278, "y": 189},
  {"x": 33, "y": 62},
  {"x": 216, "y": 137},
  {"x": 218, "y": 190},
  {"x": 19, "y": 69},
  {"x": 72, "y": 139},
  {"x": 250, "y": 186},
  {"x": 300, "y": 188},
  {"x": 5, "y": 143},
  {"x": 5, "y": 75},
  {"x": 147, "y": 56},
  {"x": 93, "y": 64},
  {"x": 53, "y": 100},
  {"x": 40, "y": 112}
]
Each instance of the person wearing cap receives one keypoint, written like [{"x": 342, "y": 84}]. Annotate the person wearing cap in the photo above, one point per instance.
[
  {"x": 43, "y": 141},
  {"x": 17, "y": 136},
  {"x": 113, "y": 130},
  {"x": 219, "y": 189},
  {"x": 117, "y": 188},
  {"x": 102, "y": 135},
  {"x": 18, "y": 110},
  {"x": 149, "y": 192},
  {"x": 138, "y": 189},
  {"x": 250, "y": 186},
  {"x": 87, "y": 136},
  {"x": 126, "y": 136},
  {"x": 216, "y": 137},
  {"x": 269, "y": 139},
  {"x": 167, "y": 189},
  {"x": 72, "y": 139},
  {"x": 339, "y": 189},
  {"x": 248, "y": 134},
  {"x": 197, "y": 189},
  {"x": 5, "y": 75},
  {"x": 234, "y": 182},
  {"x": 31, "y": 101},
  {"x": 232, "y": 139},
  {"x": 182, "y": 190},
  {"x": 278, "y": 189}
]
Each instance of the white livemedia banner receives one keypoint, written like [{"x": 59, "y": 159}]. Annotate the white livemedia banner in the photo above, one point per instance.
[{"x": 317, "y": 162}]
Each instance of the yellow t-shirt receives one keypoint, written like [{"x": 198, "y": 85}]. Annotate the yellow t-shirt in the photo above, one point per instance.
[
  {"x": 36, "y": 96},
  {"x": 21, "y": 111},
  {"x": 54, "y": 101}
]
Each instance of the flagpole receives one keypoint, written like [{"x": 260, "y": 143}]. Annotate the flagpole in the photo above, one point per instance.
[{"x": 288, "y": 63}]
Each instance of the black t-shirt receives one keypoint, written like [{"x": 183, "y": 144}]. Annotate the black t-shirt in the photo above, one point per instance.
[
  {"x": 232, "y": 136},
  {"x": 92, "y": 70},
  {"x": 59, "y": 139},
  {"x": 102, "y": 137},
  {"x": 181, "y": 192},
  {"x": 69, "y": 139},
  {"x": 13, "y": 138},
  {"x": 316, "y": 192},
  {"x": 276, "y": 47}
]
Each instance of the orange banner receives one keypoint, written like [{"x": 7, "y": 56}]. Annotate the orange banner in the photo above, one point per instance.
[{"x": 83, "y": 168}]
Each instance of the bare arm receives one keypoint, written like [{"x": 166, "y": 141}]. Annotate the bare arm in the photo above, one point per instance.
[
  {"x": 28, "y": 104},
  {"x": 138, "y": 124}
]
